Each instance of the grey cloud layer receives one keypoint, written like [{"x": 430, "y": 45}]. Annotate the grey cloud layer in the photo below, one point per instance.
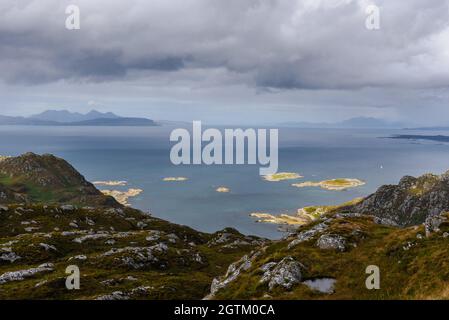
[{"x": 308, "y": 44}]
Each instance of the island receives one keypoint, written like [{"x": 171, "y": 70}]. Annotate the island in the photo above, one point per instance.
[
  {"x": 333, "y": 184},
  {"x": 281, "y": 176},
  {"x": 122, "y": 196},
  {"x": 223, "y": 190},
  {"x": 111, "y": 183},
  {"x": 303, "y": 215},
  {"x": 173, "y": 179},
  {"x": 436, "y": 138}
]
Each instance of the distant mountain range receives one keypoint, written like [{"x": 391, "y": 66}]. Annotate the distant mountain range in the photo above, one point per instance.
[
  {"x": 358, "y": 122},
  {"x": 67, "y": 118}
]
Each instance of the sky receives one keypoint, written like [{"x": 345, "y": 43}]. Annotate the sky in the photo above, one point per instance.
[{"x": 228, "y": 61}]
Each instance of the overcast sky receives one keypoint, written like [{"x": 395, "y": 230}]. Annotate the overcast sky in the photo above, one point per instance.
[{"x": 233, "y": 61}]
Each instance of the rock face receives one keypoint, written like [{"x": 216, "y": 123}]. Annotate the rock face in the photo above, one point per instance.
[
  {"x": 308, "y": 234},
  {"x": 48, "y": 177},
  {"x": 285, "y": 274},
  {"x": 410, "y": 202},
  {"x": 331, "y": 241},
  {"x": 232, "y": 274},
  {"x": 433, "y": 223}
]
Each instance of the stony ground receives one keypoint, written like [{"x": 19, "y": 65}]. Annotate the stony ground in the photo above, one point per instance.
[
  {"x": 335, "y": 252},
  {"x": 121, "y": 254}
]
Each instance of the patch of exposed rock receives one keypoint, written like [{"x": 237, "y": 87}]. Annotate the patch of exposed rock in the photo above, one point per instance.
[
  {"x": 137, "y": 257},
  {"x": 285, "y": 273},
  {"x": 27, "y": 273},
  {"x": 433, "y": 223},
  {"x": 408, "y": 203},
  {"x": 331, "y": 242},
  {"x": 233, "y": 272},
  {"x": 120, "y": 295},
  {"x": 308, "y": 234}
]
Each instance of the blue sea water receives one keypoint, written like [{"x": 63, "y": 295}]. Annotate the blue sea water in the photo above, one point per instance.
[{"x": 140, "y": 155}]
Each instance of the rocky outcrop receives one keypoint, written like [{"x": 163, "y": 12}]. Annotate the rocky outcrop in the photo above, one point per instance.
[
  {"x": 22, "y": 274},
  {"x": 284, "y": 274},
  {"x": 408, "y": 203},
  {"x": 234, "y": 271},
  {"x": 308, "y": 234},
  {"x": 331, "y": 242},
  {"x": 433, "y": 223},
  {"x": 120, "y": 295}
]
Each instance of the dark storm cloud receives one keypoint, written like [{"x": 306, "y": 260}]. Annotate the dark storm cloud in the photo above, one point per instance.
[{"x": 287, "y": 44}]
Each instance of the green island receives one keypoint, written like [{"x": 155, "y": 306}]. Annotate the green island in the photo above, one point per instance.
[
  {"x": 333, "y": 184},
  {"x": 281, "y": 176}
]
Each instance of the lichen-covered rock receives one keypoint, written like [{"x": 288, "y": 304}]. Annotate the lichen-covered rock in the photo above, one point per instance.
[
  {"x": 80, "y": 257},
  {"x": 233, "y": 272},
  {"x": 67, "y": 208},
  {"x": 94, "y": 236},
  {"x": 331, "y": 241},
  {"x": 386, "y": 222},
  {"x": 433, "y": 223},
  {"x": 308, "y": 234},
  {"x": 47, "y": 247},
  {"x": 116, "y": 295},
  {"x": 120, "y": 295},
  {"x": 408, "y": 203},
  {"x": 137, "y": 257},
  {"x": 22, "y": 274},
  {"x": 284, "y": 274},
  {"x": 9, "y": 256}
]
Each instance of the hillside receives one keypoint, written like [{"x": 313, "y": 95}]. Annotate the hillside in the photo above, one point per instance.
[
  {"x": 31, "y": 178},
  {"x": 334, "y": 252},
  {"x": 122, "y": 253},
  {"x": 402, "y": 229},
  {"x": 410, "y": 202},
  {"x": 51, "y": 217}
]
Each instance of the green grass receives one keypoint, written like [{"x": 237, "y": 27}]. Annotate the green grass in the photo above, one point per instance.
[
  {"x": 419, "y": 273},
  {"x": 181, "y": 278}
]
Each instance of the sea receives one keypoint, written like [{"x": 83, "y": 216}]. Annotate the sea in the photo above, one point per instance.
[{"x": 141, "y": 156}]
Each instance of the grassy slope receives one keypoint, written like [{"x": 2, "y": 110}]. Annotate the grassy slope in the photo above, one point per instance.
[
  {"x": 421, "y": 272},
  {"x": 177, "y": 275}
]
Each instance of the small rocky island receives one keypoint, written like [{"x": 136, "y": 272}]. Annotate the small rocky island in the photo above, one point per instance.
[
  {"x": 112, "y": 183},
  {"x": 333, "y": 184},
  {"x": 281, "y": 176},
  {"x": 122, "y": 196},
  {"x": 174, "y": 179}
]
